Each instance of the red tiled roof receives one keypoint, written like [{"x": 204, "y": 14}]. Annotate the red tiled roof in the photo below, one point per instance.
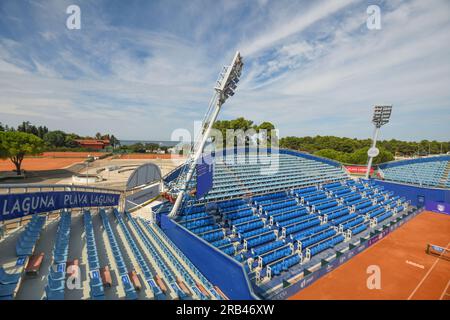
[{"x": 92, "y": 142}]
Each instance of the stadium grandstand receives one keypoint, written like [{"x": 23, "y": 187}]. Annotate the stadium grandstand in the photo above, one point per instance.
[
  {"x": 281, "y": 221},
  {"x": 93, "y": 253},
  {"x": 276, "y": 216},
  {"x": 428, "y": 172}
]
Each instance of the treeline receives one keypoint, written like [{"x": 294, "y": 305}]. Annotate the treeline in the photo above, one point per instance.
[
  {"x": 345, "y": 150},
  {"x": 57, "y": 140},
  {"x": 354, "y": 151},
  {"x": 357, "y": 157}
]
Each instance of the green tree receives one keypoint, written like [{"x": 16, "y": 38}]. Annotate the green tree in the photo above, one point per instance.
[
  {"x": 15, "y": 145},
  {"x": 55, "y": 138},
  {"x": 114, "y": 141},
  {"x": 268, "y": 127}
]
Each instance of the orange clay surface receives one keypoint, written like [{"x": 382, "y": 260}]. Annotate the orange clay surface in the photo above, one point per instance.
[
  {"x": 70, "y": 154},
  {"x": 407, "y": 272},
  {"x": 149, "y": 156},
  {"x": 48, "y": 161}
]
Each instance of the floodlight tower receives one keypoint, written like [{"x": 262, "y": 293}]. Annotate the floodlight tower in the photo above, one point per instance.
[
  {"x": 225, "y": 88},
  {"x": 381, "y": 115}
]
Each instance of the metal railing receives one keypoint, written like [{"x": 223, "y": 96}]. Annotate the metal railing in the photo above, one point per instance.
[{"x": 26, "y": 187}]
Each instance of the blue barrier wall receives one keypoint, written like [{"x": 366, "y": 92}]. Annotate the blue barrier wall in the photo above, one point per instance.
[
  {"x": 217, "y": 267},
  {"x": 418, "y": 195}
]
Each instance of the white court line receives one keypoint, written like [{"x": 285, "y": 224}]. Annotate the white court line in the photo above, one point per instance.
[
  {"x": 445, "y": 291},
  {"x": 415, "y": 264},
  {"x": 426, "y": 276}
]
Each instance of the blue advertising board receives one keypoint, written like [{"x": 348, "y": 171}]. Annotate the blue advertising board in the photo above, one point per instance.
[
  {"x": 17, "y": 205},
  {"x": 204, "y": 176},
  {"x": 439, "y": 207},
  {"x": 219, "y": 268}
]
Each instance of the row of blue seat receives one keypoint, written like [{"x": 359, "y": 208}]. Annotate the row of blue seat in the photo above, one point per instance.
[
  {"x": 168, "y": 274},
  {"x": 311, "y": 231},
  {"x": 198, "y": 222},
  {"x": 384, "y": 216},
  {"x": 201, "y": 230},
  {"x": 259, "y": 240},
  {"x": 8, "y": 284},
  {"x": 353, "y": 223},
  {"x": 317, "y": 238},
  {"x": 30, "y": 235},
  {"x": 305, "y": 190},
  {"x": 304, "y": 217},
  {"x": 249, "y": 226},
  {"x": 139, "y": 256},
  {"x": 343, "y": 219},
  {"x": 252, "y": 233},
  {"x": 57, "y": 273},
  {"x": 359, "y": 229},
  {"x": 337, "y": 214},
  {"x": 175, "y": 262},
  {"x": 95, "y": 282},
  {"x": 294, "y": 207},
  {"x": 284, "y": 264},
  {"x": 271, "y": 201},
  {"x": 275, "y": 255},
  {"x": 268, "y": 247},
  {"x": 193, "y": 209},
  {"x": 302, "y": 226},
  {"x": 327, "y": 205},
  {"x": 130, "y": 292},
  {"x": 268, "y": 197},
  {"x": 193, "y": 216},
  {"x": 239, "y": 214},
  {"x": 279, "y": 205},
  {"x": 221, "y": 242},
  {"x": 238, "y": 221},
  {"x": 213, "y": 236},
  {"x": 376, "y": 213},
  {"x": 280, "y": 217},
  {"x": 326, "y": 245}
]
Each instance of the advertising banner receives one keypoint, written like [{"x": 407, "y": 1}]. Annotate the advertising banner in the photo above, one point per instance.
[
  {"x": 204, "y": 176},
  {"x": 439, "y": 207},
  {"x": 358, "y": 169},
  {"x": 17, "y": 205}
]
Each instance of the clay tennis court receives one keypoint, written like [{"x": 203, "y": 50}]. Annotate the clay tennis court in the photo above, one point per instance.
[
  {"x": 407, "y": 272},
  {"x": 49, "y": 161}
]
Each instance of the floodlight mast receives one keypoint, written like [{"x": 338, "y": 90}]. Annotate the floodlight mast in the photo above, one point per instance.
[
  {"x": 225, "y": 86},
  {"x": 381, "y": 115}
]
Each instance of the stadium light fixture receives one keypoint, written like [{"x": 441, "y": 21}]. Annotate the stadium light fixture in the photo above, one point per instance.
[
  {"x": 381, "y": 116},
  {"x": 225, "y": 88}
]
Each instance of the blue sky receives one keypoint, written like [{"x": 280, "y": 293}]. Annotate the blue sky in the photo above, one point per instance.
[{"x": 141, "y": 69}]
